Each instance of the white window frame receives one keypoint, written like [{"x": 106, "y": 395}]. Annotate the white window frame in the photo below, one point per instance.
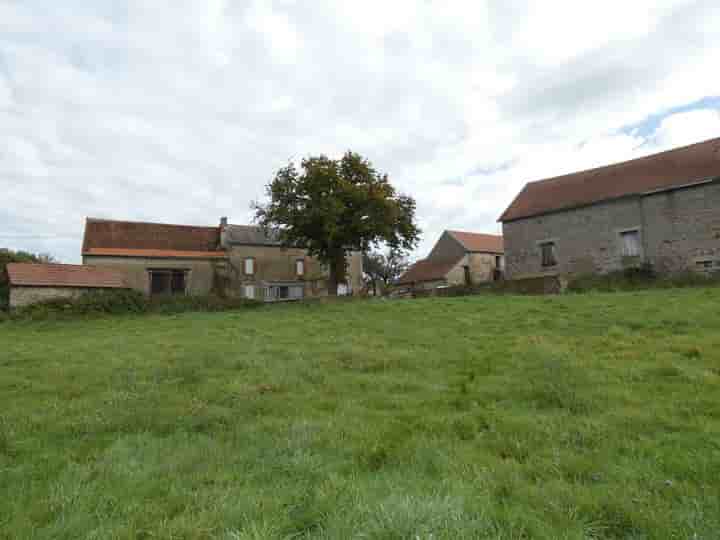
[
  {"x": 251, "y": 262},
  {"x": 249, "y": 291}
]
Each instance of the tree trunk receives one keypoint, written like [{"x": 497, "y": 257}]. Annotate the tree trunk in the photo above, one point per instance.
[{"x": 337, "y": 272}]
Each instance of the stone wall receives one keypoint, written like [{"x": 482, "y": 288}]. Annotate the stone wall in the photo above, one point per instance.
[
  {"x": 276, "y": 264},
  {"x": 676, "y": 228},
  {"x": 25, "y": 296},
  {"x": 200, "y": 277},
  {"x": 206, "y": 275},
  {"x": 682, "y": 227},
  {"x": 446, "y": 248}
]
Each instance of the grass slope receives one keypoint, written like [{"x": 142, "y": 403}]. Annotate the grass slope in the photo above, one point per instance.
[{"x": 588, "y": 416}]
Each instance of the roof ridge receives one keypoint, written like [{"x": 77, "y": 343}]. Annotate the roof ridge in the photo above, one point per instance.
[
  {"x": 104, "y": 220},
  {"x": 452, "y": 231},
  {"x": 65, "y": 265},
  {"x": 625, "y": 162}
]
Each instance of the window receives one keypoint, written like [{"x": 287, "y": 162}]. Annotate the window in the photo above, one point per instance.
[
  {"x": 250, "y": 291},
  {"x": 630, "y": 243},
  {"x": 498, "y": 262},
  {"x": 300, "y": 267},
  {"x": 467, "y": 276},
  {"x": 708, "y": 267},
  {"x": 168, "y": 282},
  {"x": 249, "y": 266},
  {"x": 548, "y": 254}
]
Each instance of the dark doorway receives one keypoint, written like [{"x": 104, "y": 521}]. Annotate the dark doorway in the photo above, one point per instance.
[{"x": 168, "y": 282}]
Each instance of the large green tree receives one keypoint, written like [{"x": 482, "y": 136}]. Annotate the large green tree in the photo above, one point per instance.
[{"x": 332, "y": 207}]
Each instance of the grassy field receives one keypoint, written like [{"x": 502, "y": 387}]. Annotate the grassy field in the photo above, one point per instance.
[{"x": 573, "y": 417}]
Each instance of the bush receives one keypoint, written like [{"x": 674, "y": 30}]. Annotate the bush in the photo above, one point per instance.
[
  {"x": 180, "y": 304},
  {"x": 642, "y": 277},
  {"x": 124, "y": 301}
]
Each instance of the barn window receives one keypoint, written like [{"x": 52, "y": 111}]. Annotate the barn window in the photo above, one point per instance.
[
  {"x": 630, "y": 243},
  {"x": 547, "y": 251},
  {"x": 249, "y": 266},
  {"x": 167, "y": 282}
]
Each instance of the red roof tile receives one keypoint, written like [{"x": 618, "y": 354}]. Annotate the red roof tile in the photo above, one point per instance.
[
  {"x": 133, "y": 235},
  {"x": 427, "y": 270},
  {"x": 666, "y": 170},
  {"x": 64, "y": 275},
  {"x": 487, "y": 243},
  {"x": 155, "y": 253}
]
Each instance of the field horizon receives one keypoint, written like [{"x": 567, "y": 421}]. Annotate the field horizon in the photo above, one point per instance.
[{"x": 581, "y": 416}]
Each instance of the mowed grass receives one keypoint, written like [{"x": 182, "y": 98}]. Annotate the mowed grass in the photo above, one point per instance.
[{"x": 573, "y": 417}]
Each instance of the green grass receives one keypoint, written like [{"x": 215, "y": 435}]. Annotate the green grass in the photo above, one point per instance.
[{"x": 572, "y": 417}]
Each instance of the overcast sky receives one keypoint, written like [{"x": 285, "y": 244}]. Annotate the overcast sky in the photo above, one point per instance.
[{"x": 180, "y": 111}]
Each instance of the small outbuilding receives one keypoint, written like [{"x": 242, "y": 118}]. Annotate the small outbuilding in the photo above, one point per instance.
[
  {"x": 31, "y": 283},
  {"x": 458, "y": 258}
]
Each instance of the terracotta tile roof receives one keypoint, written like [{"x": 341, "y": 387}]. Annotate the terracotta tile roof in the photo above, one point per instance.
[
  {"x": 666, "y": 170},
  {"x": 487, "y": 243},
  {"x": 156, "y": 253},
  {"x": 427, "y": 270},
  {"x": 134, "y": 235},
  {"x": 64, "y": 275}
]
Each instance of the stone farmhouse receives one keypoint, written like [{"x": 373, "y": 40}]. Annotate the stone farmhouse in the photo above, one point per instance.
[
  {"x": 662, "y": 209},
  {"x": 458, "y": 258},
  {"x": 237, "y": 260}
]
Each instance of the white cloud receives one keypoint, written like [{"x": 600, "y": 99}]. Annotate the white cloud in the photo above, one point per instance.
[
  {"x": 688, "y": 127},
  {"x": 180, "y": 111}
]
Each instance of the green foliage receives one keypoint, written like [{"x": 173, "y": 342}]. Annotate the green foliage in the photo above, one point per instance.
[
  {"x": 331, "y": 207},
  {"x": 125, "y": 301},
  {"x": 639, "y": 278},
  {"x": 583, "y": 416},
  {"x": 384, "y": 268}
]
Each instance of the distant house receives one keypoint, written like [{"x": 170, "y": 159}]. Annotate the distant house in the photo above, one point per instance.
[
  {"x": 237, "y": 260},
  {"x": 458, "y": 258},
  {"x": 663, "y": 209},
  {"x": 31, "y": 283}
]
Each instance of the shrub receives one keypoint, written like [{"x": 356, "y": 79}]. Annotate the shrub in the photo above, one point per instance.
[
  {"x": 636, "y": 278},
  {"x": 124, "y": 301}
]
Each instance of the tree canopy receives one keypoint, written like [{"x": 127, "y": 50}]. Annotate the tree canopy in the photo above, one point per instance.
[
  {"x": 384, "y": 267},
  {"x": 331, "y": 207}
]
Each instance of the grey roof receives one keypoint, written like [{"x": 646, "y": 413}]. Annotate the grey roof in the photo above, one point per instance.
[{"x": 250, "y": 236}]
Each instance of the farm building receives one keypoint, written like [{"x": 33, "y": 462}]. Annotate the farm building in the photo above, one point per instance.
[
  {"x": 31, "y": 283},
  {"x": 662, "y": 210},
  {"x": 458, "y": 258}
]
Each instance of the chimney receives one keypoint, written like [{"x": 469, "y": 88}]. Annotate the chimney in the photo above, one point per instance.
[{"x": 223, "y": 238}]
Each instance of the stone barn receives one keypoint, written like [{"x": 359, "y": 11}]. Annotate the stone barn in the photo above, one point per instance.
[
  {"x": 31, "y": 283},
  {"x": 662, "y": 210}
]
